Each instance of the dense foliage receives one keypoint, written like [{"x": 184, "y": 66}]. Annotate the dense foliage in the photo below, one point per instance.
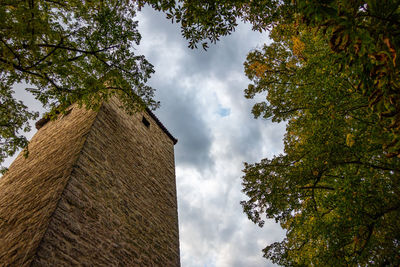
[
  {"x": 68, "y": 51},
  {"x": 332, "y": 73},
  {"x": 334, "y": 189}
]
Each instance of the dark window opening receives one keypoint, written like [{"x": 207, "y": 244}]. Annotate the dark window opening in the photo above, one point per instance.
[{"x": 145, "y": 122}]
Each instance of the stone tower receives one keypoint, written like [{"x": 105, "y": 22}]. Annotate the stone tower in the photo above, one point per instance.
[{"x": 97, "y": 189}]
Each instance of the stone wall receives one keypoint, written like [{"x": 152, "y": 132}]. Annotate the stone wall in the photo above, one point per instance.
[
  {"x": 32, "y": 186},
  {"x": 118, "y": 206}
]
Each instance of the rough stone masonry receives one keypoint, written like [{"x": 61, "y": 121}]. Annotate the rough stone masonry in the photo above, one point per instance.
[{"x": 97, "y": 189}]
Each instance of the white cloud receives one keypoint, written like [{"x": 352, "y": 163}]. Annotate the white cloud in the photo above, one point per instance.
[{"x": 202, "y": 103}]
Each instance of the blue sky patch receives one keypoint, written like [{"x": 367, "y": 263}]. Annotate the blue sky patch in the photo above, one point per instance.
[{"x": 224, "y": 112}]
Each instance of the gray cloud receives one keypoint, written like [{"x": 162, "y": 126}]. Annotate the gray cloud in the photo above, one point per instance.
[
  {"x": 202, "y": 103},
  {"x": 194, "y": 140}
]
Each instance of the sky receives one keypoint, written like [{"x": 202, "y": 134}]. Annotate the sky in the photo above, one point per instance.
[{"x": 203, "y": 106}]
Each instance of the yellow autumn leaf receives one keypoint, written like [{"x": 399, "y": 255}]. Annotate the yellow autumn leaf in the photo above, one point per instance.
[
  {"x": 258, "y": 68},
  {"x": 350, "y": 140},
  {"x": 298, "y": 46}
]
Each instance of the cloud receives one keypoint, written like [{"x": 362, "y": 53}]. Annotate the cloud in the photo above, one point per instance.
[
  {"x": 182, "y": 117},
  {"x": 202, "y": 104}
]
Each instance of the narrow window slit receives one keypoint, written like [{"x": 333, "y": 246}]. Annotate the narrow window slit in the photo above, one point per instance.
[{"x": 145, "y": 122}]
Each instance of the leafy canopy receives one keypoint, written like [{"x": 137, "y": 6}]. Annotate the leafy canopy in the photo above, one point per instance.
[
  {"x": 334, "y": 189},
  {"x": 69, "y": 51},
  {"x": 332, "y": 73}
]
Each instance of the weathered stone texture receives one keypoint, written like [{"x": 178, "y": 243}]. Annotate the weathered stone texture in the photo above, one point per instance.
[
  {"x": 30, "y": 190},
  {"x": 119, "y": 205},
  {"x": 98, "y": 189}
]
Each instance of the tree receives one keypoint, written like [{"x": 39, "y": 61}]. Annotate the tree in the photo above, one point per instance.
[
  {"x": 365, "y": 36},
  {"x": 334, "y": 190},
  {"x": 69, "y": 51}
]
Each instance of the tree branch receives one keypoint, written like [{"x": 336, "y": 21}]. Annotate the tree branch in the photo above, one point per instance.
[
  {"x": 317, "y": 187},
  {"x": 78, "y": 50},
  {"x": 49, "y": 54},
  {"x": 384, "y": 168}
]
